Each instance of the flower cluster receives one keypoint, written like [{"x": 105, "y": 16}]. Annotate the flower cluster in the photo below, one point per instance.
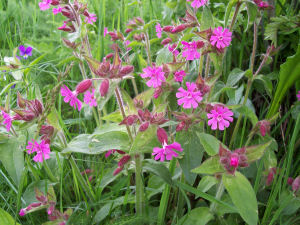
[
  {"x": 42, "y": 150},
  {"x": 197, "y": 3},
  {"x": 232, "y": 160},
  {"x": 190, "y": 49}
]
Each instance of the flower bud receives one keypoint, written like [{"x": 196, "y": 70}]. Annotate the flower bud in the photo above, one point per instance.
[
  {"x": 234, "y": 160},
  {"x": 104, "y": 87},
  {"x": 69, "y": 44},
  {"x": 47, "y": 130},
  {"x": 83, "y": 86},
  {"x": 22, "y": 212},
  {"x": 54, "y": 2},
  {"x": 264, "y": 127},
  {"x": 200, "y": 44},
  {"x": 138, "y": 103},
  {"x": 144, "y": 126},
  {"x": 126, "y": 70},
  {"x": 157, "y": 92},
  {"x": 118, "y": 170},
  {"x": 179, "y": 28},
  {"x": 20, "y": 101},
  {"x": 168, "y": 28},
  {"x": 296, "y": 184},
  {"x": 124, "y": 160},
  {"x": 67, "y": 13},
  {"x": 290, "y": 181},
  {"x": 180, "y": 126},
  {"x": 51, "y": 209},
  {"x": 166, "y": 41},
  {"x": 139, "y": 21},
  {"x": 38, "y": 106},
  {"x": 162, "y": 136},
  {"x": 128, "y": 30}
]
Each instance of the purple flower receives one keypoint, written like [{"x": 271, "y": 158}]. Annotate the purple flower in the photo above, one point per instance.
[
  {"x": 91, "y": 18},
  {"x": 158, "y": 30},
  {"x": 220, "y": 38},
  {"x": 298, "y": 95},
  {"x": 89, "y": 98},
  {"x": 179, "y": 75},
  {"x": 156, "y": 75},
  {"x": 219, "y": 117},
  {"x": 198, "y": 3},
  {"x": 69, "y": 96},
  {"x": 25, "y": 52},
  {"x": 42, "y": 150},
  {"x": 190, "y": 97},
  {"x": 105, "y": 32},
  {"x": 56, "y": 10},
  {"x": 45, "y": 4},
  {"x": 6, "y": 120},
  {"x": 190, "y": 49},
  {"x": 167, "y": 152}
]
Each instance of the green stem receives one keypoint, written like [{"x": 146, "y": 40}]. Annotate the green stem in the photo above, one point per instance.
[
  {"x": 219, "y": 194},
  {"x": 139, "y": 187},
  {"x": 165, "y": 197}
]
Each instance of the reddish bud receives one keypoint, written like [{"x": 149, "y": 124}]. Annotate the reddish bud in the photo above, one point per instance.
[
  {"x": 168, "y": 28},
  {"x": 264, "y": 127},
  {"x": 38, "y": 106},
  {"x": 138, "y": 103},
  {"x": 166, "y": 41},
  {"x": 83, "y": 86},
  {"x": 179, "y": 28},
  {"x": 158, "y": 91},
  {"x": 180, "y": 126},
  {"x": 69, "y": 44},
  {"x": 124, "y": 160},
  {"x": 114, "y": 36},
  {"x": 118, "y": 170},
  {"x": 22, "y": 212},
  {"x": 270, "y": 177},
  {"x": 162, "y": 136},
  {"x": 200, "y": 44},
  {"x": 296, "y": 184},
  {"x": 144, "y": 126},
  {"x": 139, "y": 21},
  {"x": 234, "y": 160},
  {"x": 126, "y": 70},
  {"x": 109, "y": 56},
  {"x": 290, "y": 181},
  {"x": 54, "y": 2},
  {"x": 128, "y": 30},
  {"x": 129, "y": 120},
  {"x": 47, "y": 130},
  {"x": 104, "y": 87}
]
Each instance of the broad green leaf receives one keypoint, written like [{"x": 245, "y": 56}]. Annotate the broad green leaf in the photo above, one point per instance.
[
  {"x": 207, "y": 19},
  {"x": 146, "y": 97},
  {"x": 206, "y": 183},
  {"x": 210, "y": 166},
  {"x": 234, "y": 77},
  {"x": 228, "y": 10},
  {"x": 145, "y": 141},
  {"x": 52, "y": 118},
  {"x": 210, "y": 143},
  {"x": 193, "y": 152},
  {"x": 6, "y": 218},
  {"x": 115, "y": 117},
  {"x": 164, "y": 56},
  {"x": 158, "y": 169},
  {"x": 142, "y": 61},
  {"x": 246, "y": 111},
  {"x": 12, "y": 158},
  {"x": 289, "y": 74},
  {"x": 252, "y": 12},
  {"x": 129, "y": 102},
  {"x": 199, "y": 216},
  {"x": 243, "y": 196},
  {"x": 266, "y": 82},
  {"x": 29, "y": 193},
  {"x": 109, "y": 127},
  {"x": 256, "y": 152}
]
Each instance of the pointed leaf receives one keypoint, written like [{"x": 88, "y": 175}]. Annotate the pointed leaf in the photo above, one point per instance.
[
  {"x": 210, "y": 166},
  {"x": 199, "y": 216},
  {"x": 158, "y": 169},
  {"x": 243, "y": 196},
  {"x": 256, "y": 152},
  {"x": 210, "y": 143}
]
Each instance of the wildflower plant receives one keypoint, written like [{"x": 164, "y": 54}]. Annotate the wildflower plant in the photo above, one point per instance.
[{"x": 188, "y": 121}]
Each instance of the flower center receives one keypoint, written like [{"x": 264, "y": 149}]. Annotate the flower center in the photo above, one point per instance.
[
  {"x": 219, "y": 118},
  {"x": 221, "y": 38},
  {"x": 234, "y": 161}
]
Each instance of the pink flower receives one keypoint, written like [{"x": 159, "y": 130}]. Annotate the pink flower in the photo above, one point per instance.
[
  {"x": 91, "y": 18},
  {"x": 126, "y": 43},
  {"x": 45, "y": 4},
  {"x": 69, "y": 96},
  {"x": 298, "y": 95},
  {"x": 220, "y": 38},
  {"x": 198, "y": 3},
  {"x": 105, "y": 31},
  {"x": 89, "y": 98},
  {"x": 167, "y": 152},
  {"x": 219, "y": 116},
  {"x": 56, "y": 10},
  {"x": 190, "y": 97},
  {"x": 190, "y": 49},
  {"x": 158, "y": 30},
  {"x": 262, "y": 5},
  {"x": 6, "y": 120},
  {"x": 22, "y": 212},
  {"x": 42, "y": 150},
  {"x": 156, "y": 75},
  {"x": 179, "y": 75}
]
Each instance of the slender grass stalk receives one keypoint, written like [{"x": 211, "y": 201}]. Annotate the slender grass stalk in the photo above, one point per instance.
[{"x": 219, "y": 194}]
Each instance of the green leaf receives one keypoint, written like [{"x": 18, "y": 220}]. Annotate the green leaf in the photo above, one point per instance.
[
  {"x": 252, "y": 12},
  {"x": 164, "y": 56},
  {"x": 234, "y": 77},
  {"x": 146, "y": 97},
  {"x": 289, "y": 74},
  {"x": 256, "y": 152},
  {"x": 199, "y": 216},
  {"x": 246, "y": 111},
  {"x": 145, "y": 141},
  {"x": 266, "y": 82},
  {"x": 210, "y": 166},
  {"x": 29, "y": 193},
  {"x": 206, "y": 183},
  {"x": 115, "y": 117},
  {"x": 6, "y": 218},
  {"x": 193, "y": 152},
  {"x": 207, "y": 19},
  {"x": 243, "y": 196},
  {"x": 158, "y": 169},
  {"x": 210, "y": 143},
  {"x": 228, "y": 11},
  {"x": 12, "y": 158},
  {"x": 129, "y": 102}
]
